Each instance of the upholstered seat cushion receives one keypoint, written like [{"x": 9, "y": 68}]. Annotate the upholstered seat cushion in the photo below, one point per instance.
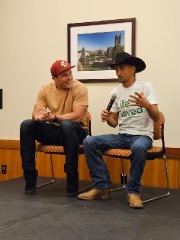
[
  {"x": 125, "y": 153},
  {"x": 54, "y": 148}
]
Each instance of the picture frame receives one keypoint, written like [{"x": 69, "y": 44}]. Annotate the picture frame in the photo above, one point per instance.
[{"x": 92, "y": 45}]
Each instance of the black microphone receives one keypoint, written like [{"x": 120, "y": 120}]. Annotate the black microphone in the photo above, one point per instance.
[{"x": 113, "y": 97}]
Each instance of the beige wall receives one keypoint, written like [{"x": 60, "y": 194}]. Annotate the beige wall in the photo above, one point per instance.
[{"x": 34, "y": 34}]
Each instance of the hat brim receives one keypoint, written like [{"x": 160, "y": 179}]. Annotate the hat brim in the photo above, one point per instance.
[
  {"x": 65, "y": 69},
  {"x": 69, "y": 68},
  {"x": 133, "y": 61}
]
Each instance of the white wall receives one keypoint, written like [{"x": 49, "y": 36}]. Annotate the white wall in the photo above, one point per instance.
[{"x": 34, "y": 34}]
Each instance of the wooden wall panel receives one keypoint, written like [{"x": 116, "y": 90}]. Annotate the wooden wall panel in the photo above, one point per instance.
[
  {"x": 41, "y": 164},
  {"x": 83, "y": 168},
  {"x": 153, "y": 175},
  {"x": 8, "y": 157},
  {"x": 58, "y": 163},
  {"x": 179, "y": 175},
  {"x": 44, "y": 166},
  {"x": 114, "y": 167},
  {"x": 19, "y": 165},
  {"x": 154, "y": 172}
]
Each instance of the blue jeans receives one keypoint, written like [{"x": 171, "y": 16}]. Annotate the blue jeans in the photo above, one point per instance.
[
  {"x": 69, "y": 134},
  {"x": 94, "y": 146}
]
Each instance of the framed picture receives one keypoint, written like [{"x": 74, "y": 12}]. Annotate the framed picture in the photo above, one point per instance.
[{"x": 93, "y": 45}]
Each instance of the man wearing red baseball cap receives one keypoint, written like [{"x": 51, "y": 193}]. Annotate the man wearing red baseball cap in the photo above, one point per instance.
[{"x": 57, "y": 119}]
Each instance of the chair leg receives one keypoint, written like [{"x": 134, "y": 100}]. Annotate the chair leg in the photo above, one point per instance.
[
  {"x": 124, "y": 179},
  {"x": 85, "y": 189},
  {"x": 154, "y": 198},
  {"x": 52, "y": 171},
  {"x": 167, "y": 182}
]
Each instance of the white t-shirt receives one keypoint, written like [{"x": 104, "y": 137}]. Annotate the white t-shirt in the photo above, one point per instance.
[{"x": 133, "y": 119}]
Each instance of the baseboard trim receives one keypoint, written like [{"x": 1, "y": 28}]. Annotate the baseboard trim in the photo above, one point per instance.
[{"x": 173, "y": 152}]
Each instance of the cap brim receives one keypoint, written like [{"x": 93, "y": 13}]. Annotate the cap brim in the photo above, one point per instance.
[{"x": 67, "y": 68}]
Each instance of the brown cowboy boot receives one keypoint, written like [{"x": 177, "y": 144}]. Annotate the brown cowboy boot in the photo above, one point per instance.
[
  {"x": 95, "y": 194},
  {"x": 135, "y": 200}
]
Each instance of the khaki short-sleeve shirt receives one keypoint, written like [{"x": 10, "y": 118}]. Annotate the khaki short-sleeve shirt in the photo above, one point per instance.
[{"x": 62, "y": 101}]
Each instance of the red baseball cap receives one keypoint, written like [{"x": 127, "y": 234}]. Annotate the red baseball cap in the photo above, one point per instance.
[{"x": 60, "y": 66}]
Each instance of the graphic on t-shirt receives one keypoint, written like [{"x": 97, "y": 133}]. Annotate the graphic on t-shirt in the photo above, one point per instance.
[{"x": 126, "y": 110}]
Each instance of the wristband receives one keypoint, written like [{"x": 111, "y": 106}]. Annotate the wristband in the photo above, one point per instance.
[{"x": 55, "y": 120}]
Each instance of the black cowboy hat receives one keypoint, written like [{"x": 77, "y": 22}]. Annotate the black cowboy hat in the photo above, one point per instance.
[{"x": 126, "y": 58}]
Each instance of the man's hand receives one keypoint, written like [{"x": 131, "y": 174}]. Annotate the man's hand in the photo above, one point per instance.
[
  {"x": 139, "y": 100},
  {"x": 104, "y": 115},
  {"x": 44, "y": 115}
]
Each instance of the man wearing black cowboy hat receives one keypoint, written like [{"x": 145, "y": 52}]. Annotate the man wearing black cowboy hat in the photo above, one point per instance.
[{"x": 134, "y": 109}]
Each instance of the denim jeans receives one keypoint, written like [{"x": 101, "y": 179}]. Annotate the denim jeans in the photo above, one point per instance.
[
  {"x": 95, "y": 145},
  {"x": 69, "y": 134}
]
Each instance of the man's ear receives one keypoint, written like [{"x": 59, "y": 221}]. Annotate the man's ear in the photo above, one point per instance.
[{"x": 134, "y": 69}]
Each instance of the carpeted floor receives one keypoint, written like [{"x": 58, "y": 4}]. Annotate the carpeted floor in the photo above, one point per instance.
[{"x": 49, "y": 215}]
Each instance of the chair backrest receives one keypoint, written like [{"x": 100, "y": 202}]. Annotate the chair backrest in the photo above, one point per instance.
[
  {"x": 87, "y": 122},
  {"x": 159, "y": 130},
  {"x": 159, "y": 127}
]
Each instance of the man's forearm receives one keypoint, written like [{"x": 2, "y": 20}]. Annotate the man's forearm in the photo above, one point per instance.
[
  {"x": 112, "y": 121},
  {"x": 153, "y": 112}
]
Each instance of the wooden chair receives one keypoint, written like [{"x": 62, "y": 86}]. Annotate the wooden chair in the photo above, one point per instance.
[
  {"x": 153, "y": 153},
  {"x": 55, "y": 149}
]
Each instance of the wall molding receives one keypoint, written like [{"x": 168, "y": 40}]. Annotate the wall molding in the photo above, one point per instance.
[
  {"x": 173, "y": 152},
  {"x": 9, "y": 144}
]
